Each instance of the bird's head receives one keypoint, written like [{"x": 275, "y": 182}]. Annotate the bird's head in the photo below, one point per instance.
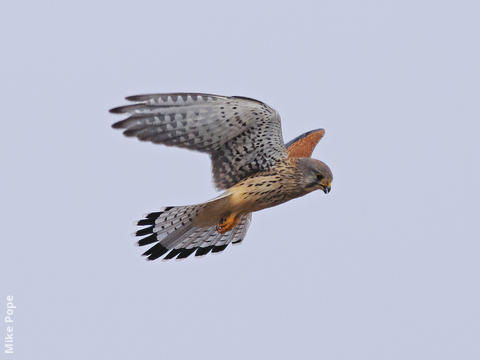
[{"x": 315, "y": 175}]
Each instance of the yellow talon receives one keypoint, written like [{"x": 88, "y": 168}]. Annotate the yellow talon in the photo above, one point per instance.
[{"x": 227, "y": 224}]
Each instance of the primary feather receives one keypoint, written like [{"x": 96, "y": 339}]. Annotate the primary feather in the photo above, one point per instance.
[{"x": 243, "y": 136}]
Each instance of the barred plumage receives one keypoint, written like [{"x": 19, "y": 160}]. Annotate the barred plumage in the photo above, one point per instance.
[
  {"x": 243, "y": 137},
  {"x": 173, "y": 229}
]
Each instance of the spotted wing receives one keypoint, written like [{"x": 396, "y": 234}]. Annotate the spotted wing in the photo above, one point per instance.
[
  {"x": 242, "y": 135},
  {"x": 303, "y": 145}
]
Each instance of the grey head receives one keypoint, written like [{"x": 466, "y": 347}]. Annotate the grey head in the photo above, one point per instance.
[{"x": 314, "y": 175}]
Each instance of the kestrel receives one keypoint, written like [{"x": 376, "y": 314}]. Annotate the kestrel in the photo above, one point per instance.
[{"x": 250, "y": 162}]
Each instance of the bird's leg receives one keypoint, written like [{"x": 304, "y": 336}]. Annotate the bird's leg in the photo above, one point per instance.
[{"x": 227, "y": 223}]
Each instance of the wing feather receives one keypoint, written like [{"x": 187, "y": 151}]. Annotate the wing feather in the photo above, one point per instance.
[
  {"x": 242, "y": 135},
  {"x": 303, "y": 145}
]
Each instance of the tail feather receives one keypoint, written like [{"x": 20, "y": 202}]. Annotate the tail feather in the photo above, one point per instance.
[
  {"x": 174, "y": 233},
  {"x": 150, "y": 239},
  {"x": 242, "y": 228},
  {"x": 155, "y": 252}
]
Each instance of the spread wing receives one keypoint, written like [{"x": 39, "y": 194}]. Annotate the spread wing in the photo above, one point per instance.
[
  {"x": 303, "y": 145},
  {"x": 243, "y": 136}
]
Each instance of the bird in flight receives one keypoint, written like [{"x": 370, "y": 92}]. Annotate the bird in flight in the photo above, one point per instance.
[{"x": 250, "y": 162}]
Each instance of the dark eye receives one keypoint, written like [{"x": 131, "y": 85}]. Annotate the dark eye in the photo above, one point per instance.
[{"x": 319, "y": 177}]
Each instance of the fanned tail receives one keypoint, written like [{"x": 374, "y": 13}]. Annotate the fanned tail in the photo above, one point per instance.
[{"x": 174, "y": 233}]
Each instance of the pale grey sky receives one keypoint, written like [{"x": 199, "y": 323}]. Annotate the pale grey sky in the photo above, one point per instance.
[{"x": 386, "y": 266}]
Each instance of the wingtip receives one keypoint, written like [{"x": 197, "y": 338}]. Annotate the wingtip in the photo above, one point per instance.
[
  {"x": 116, "y": 110},
  {"x": 132, "y": 97},
  {"x": 140, "y": 97},
  {"x": 117, "y": 125},
  {"x": 304, "y": 144},
  {"x": 319, "y": 130}
]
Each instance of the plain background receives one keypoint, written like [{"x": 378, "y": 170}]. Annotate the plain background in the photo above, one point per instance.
[{"x": 384, "y": 267}]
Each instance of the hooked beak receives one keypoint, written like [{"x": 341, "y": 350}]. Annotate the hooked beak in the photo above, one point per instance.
[{"x": 326, "y": 189}]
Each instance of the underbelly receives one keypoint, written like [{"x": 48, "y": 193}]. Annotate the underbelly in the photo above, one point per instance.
[{"x": 247, "y": 199}]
